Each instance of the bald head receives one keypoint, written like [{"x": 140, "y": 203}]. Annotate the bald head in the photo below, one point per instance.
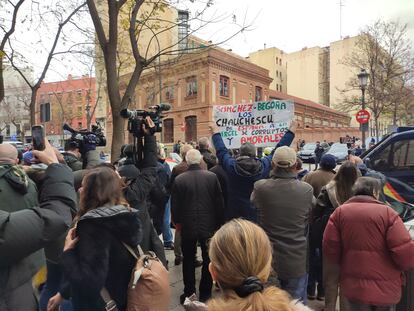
[{"x": 8, "y": 154}]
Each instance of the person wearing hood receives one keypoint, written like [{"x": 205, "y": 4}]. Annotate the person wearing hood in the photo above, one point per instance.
[
  {"x": 27, "y": 229},
  {"x": 94, "y": 255},
  {"x": 244, "y": 171},
  {"x": 18, "y": 192}
]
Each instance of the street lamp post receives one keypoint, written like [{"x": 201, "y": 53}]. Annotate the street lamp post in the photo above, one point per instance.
[{"x": 363, "y": 81}]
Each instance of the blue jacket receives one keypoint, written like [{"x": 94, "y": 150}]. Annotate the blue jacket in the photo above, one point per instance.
[{"x": 242, "y": 173}]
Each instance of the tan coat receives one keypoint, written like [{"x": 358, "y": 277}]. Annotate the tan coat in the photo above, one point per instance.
[{"x": 317, "y": 179}]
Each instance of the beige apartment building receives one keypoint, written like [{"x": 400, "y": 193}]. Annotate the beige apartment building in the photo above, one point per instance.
[
  {"x": 273, "y": 60},
  {"x": 340, "y": 74},
  {"x": 308, "y": 74},
  {"x": 315, "y": 73}
]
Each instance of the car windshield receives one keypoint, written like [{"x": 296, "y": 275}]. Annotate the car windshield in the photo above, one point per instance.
[
  {"x": 338, "y": 148},
  {"x": 309, "y": 147}
]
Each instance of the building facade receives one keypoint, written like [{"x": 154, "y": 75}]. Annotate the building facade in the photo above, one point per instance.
[
  {"x": 15, "y": 107},
  {"x": 72, "y": 101},
  {"x": 197, "y": 82},
  {"x": 273, "y": 60},
  {"x": 317, "y": 73}
]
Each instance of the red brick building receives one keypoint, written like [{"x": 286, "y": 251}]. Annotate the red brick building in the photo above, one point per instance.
[
  {"x": 196, "y": 82},
  {"x": 65, "y": 102}
]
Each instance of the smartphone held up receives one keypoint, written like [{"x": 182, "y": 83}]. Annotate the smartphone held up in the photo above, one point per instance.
[{"x": 38, "y": 137}]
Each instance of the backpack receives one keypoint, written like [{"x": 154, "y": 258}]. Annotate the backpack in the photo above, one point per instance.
[{"x": 149, "y": 287}]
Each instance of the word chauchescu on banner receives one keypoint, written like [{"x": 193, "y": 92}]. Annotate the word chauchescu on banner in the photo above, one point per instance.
[{"x": 260, "y": 123}]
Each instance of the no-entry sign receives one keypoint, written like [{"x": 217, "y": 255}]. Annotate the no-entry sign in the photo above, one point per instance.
[{"x": 362, "y": 116}]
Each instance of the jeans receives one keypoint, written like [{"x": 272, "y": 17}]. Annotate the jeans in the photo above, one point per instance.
[
  {"x": 167, "y": 235},
  {"x": 315, "y": 272},
  {"x": 296, "y": 287},
  {"x": 355, "y": 306},
  {"x": 54, "y": 278},
  {"x": 189, "y": 248}
]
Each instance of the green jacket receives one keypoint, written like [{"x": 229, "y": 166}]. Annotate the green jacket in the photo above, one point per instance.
[
  {"x": 28, "y": 229},
  {"x": 19, "y": 192}
]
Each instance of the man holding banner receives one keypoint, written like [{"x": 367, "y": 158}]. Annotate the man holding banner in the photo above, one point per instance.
[{"x": 247, "y": 126}]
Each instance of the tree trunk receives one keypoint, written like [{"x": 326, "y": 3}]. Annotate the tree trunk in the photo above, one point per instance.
[
  {"x": 118, "y": 137},
  {"x": 33, "y": 107}
]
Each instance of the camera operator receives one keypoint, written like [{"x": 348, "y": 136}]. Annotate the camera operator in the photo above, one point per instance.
[
  {"x": 140, "y": 189},
  {"x": 81, "y": 155},
  {"x": 26, "y": 228}
]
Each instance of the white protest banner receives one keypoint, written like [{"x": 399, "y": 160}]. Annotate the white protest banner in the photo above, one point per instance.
[{"x": 261, "y": 123}]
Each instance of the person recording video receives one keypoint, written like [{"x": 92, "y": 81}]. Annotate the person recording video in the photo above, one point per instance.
[{"x": 27, "y": 226}]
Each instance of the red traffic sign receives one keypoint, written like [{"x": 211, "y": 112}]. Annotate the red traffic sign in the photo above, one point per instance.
[{"x": 363, "y": 116}]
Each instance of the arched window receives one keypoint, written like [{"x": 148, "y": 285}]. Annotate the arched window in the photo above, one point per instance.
[
  {"x": 191, "y": 128},
  {"x": 168, "y": 130}
]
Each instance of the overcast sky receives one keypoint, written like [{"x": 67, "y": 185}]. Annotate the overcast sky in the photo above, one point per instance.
[
  {"x": 289, "y": 25},
  {"x": 293, "y": 24}
]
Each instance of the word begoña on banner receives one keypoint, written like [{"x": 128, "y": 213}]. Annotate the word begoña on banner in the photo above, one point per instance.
[{"x": 260, "y": 123}]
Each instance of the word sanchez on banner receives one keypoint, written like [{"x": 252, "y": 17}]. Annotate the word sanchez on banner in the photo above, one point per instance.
[{"x": 261, "y": 123}]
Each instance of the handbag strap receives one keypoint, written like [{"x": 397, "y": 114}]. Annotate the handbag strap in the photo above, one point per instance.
[
  {"x": 110, "y": 304},
  {"x": 133, "y": 252}
]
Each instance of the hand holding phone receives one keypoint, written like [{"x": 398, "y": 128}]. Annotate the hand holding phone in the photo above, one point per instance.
[{"x": 38, "y": 137}]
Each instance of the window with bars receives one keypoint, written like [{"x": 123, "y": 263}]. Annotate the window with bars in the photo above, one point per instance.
[
  {"x": 168, "y": 130},
  {"x": 192, "y": 86},
  {"x": 191, "y": 128},
  {"x": 224, "y": 86},
  {"x": 258, "y": 93},
  {"x": 169, "y": 93}
]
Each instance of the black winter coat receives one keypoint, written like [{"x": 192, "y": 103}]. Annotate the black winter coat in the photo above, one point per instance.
[
  {"x": 197, "y": 203},
  {"x": 150, "y": 239},
  {"x": 99, "y": 258}
]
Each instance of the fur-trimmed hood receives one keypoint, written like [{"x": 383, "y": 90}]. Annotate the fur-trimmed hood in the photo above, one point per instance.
[{"x": 120, "y": 220}]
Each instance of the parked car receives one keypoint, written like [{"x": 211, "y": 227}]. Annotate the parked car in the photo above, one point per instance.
[
  {"x": 307, "y": 154},
  {"x": 339, "y": 151}
]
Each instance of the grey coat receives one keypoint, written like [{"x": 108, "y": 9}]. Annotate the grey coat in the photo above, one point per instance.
[
  {"x": 284, "y": 204},
  {"x": 26, "y": 231}
]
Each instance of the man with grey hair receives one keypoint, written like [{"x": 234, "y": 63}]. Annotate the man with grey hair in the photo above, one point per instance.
[
  {"x": 208, "y": 156},
  {"x": 284, "y": 204},
  {"x": 197, "y": 211}
]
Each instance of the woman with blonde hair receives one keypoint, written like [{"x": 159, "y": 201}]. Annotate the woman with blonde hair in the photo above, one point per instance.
[{"x": 241, "y": 257}]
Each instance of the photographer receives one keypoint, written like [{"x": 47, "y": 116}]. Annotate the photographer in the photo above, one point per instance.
[
  {"x": 23, "y": 231},
  {"x": 141, "y": 188},
  {"x": 80, "y": 155}
]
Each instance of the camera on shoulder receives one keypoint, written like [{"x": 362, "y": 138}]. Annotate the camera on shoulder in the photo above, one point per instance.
[{"x": 136, "y": 118}]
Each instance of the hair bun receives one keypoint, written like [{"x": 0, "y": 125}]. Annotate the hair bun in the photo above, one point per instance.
[{"x": 249, "y": 286}]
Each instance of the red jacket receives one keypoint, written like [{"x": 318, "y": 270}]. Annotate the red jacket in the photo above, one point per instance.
[{"x": 373, "y": 248}]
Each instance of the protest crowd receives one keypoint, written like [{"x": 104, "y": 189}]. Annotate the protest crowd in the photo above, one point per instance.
[{"x": 272, "y": 237}]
